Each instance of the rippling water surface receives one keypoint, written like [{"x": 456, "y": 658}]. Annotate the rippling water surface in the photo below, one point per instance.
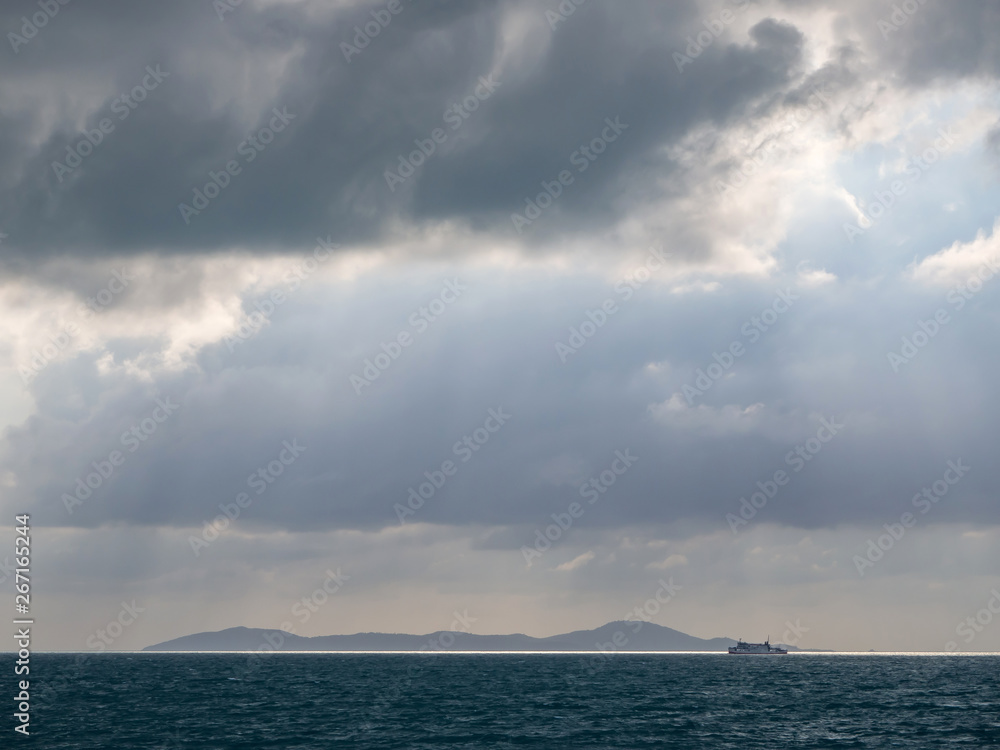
[{"x": 513, "y": 700}]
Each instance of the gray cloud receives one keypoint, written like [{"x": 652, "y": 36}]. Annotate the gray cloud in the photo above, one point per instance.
[{"x": 365, "y": 451}]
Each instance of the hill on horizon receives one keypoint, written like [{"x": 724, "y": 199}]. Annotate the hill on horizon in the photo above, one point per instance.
[{"x": 618, "y": 635}]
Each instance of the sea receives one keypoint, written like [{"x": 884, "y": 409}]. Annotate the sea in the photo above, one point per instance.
[{"x": 505, "y": 700}]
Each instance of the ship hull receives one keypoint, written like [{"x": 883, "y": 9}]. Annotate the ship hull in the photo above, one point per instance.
[{"x": 758, "y": 653}]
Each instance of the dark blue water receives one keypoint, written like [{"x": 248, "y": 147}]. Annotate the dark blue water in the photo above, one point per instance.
[{"x": 511, "y": 701}]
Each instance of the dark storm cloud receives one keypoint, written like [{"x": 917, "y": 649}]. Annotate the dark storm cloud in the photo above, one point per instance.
[
  {"x": 927, "y": 41},
  {"x": 125, "y": 195},
  {"x": 350, "y": 121},
  {"x": 535, "y": 129}
]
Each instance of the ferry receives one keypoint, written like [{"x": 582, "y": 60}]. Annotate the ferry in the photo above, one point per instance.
[{"x": 742, "y": 647}]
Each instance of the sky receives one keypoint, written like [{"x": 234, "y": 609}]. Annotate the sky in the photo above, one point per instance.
[{"x": 501, "y": 316}]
